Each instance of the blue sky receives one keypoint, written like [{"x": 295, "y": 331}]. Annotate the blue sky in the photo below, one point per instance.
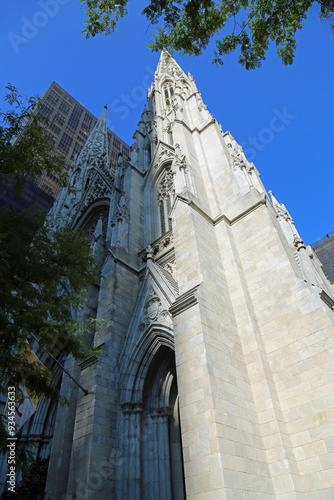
[{"x": 281, "y": 115}]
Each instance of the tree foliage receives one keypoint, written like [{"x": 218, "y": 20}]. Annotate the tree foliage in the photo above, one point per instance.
[
  {"x": 45, "y": 273},
  {"x": 187, "y": 26},
  {"x": 32, "y": 484}
]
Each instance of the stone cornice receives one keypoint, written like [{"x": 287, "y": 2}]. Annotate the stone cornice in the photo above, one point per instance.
[
  {"x": 261, "y": 201},
  {"x": 123, "y": 263},
  {"x": 196, "y": 129},
  {"x": 214, "y": 221},
  {"x": 184, "y": 302},
  {"x": 327, "y": 300},
  {"x": 133, "y": 167},
  {"x": 88, "y": 362}
]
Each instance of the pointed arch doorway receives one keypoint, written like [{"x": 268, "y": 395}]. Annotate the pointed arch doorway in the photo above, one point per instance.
[
  {"x": 162, "y": 462},
  {"x": 151, "y": 461}
]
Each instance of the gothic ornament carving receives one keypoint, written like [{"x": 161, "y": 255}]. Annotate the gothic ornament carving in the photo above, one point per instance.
[
  {"x": 153, "y": 312},
  {"x": 166, "y": 154},
  {"x": 180, "y": 160},
  {"x": 298, "y": 242},
  {"x": 99, "y": 189},
  {"x": 121, "y": 211},
  {"x": 166, "y": 186},
  {"x": 171, "y": 268},
  {"x": 178, "y": 110}
]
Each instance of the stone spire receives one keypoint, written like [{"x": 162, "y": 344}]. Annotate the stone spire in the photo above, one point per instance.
[
  {"x": 90, "y": 176},
  {"x": 97, "y": 143},
  {"x": 168, "y": 66}
]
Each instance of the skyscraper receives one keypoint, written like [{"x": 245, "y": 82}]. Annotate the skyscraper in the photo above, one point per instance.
[
  {"x": 214, "y": 380},
  {"x": 324, "y": 248}
]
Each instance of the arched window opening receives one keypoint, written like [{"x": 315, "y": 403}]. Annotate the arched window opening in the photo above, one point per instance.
[
  {"x": 90, "y": 224},
  {"x": 162, "y": 217},
  {"x": 75, "y": 177},
  {"x": 166, "y": 193},
  {"x": 168, "y": 93}
]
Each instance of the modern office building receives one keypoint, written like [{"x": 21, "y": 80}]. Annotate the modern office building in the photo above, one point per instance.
[{"x": 324, "y": 248}]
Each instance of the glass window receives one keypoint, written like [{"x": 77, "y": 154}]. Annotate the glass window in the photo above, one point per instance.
[
  {"x": 162, "y": 218},
  {"x": 169, "y": 93},
  {"x": 165, "y": 195}
]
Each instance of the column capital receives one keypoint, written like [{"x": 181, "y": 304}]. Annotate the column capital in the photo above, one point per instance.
[
  {"x": 155, "y": 413},
  {"x": 138, "y": 408},
  {"x": 126, "y": 408},
  {"x": 165, "y": 411}
]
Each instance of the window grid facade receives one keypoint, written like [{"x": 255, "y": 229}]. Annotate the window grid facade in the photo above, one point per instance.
[{"x": 324, "y": 249}]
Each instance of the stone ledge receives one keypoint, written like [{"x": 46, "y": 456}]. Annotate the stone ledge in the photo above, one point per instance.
[
  {"x": 184, "y": 302},
  {"x": 327, "y": 299},
  {"x": 89, "y": 361}
]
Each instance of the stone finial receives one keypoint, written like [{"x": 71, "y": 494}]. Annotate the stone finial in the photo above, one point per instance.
[{"x": 273, "y": 199}]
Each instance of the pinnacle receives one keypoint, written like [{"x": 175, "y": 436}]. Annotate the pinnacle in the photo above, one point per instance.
[
  {"x": 97, "y": 142},
  {"x": 168, "y": 65}
]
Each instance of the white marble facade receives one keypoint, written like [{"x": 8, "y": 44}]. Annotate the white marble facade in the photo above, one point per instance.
[{"x": 216, "y": 374}]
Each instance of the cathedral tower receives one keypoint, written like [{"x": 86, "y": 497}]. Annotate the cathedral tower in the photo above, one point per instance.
[{"x": 215, "y": 378}]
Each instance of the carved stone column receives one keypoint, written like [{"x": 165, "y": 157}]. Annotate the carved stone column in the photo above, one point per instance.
[
  {"x": 137, "y": 411},
  {"x": 127, "y": 410},
  {"x": 164, "y": 461},
  {"x": 154, "y": 490}
]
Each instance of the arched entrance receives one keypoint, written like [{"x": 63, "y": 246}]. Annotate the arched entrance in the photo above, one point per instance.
[{"x": 150, "y": 464}]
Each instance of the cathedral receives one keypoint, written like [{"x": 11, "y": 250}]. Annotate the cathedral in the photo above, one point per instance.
[{"x": 215, "y": 378}]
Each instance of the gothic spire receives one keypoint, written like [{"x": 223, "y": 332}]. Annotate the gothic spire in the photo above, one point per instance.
[
  {"x": 168, "y": 66},
  {"x": 97, "y": 143}
]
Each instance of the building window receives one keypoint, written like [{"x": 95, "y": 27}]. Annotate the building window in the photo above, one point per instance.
[
  {"x": 168, "y": 93},
  {"x": 117, "y": 144},
  {"x": 165, "y": 195},
  {"x": 162, "y": 217}
]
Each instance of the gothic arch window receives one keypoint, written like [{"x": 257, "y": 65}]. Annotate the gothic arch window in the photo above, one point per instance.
[
  {"x": 76, "y": 177},
  {"x": 168, "y": 93},
  {"x": 165, "y": 198},
  {"x": 89, "y": 177},
  {"x": 90, "y": 226}
]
